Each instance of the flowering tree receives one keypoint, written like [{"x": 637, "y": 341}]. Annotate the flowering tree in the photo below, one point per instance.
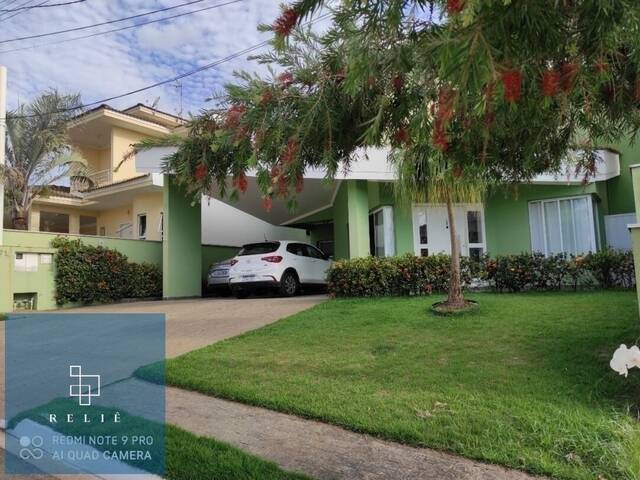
[{"x": 466, "y": 93}]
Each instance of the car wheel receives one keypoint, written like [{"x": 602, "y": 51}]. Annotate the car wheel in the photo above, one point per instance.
[{"x": 289, "y": 284}]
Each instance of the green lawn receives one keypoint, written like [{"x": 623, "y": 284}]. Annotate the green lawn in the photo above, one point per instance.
[{"x": 523, "y": 382}]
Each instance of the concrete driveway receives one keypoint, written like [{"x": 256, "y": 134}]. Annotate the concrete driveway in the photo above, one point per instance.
[{"x": 196, "y": 323}]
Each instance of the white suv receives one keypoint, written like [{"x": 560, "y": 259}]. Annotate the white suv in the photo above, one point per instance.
[{"x": 285, "y": 265}]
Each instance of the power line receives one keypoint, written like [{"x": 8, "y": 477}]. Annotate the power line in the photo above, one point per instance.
[
  {"x": 10, "y": 16},
  {"x": 109, "y": 22},
  {"x": 17, "y": 9},
  {"x": 208, "y": 66},
  {"x": 97, "y": 34}
]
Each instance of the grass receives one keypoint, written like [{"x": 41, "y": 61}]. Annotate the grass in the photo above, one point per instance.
[
  {"x": 186, "y": 456},
  {"x": 523, "y": 382}
]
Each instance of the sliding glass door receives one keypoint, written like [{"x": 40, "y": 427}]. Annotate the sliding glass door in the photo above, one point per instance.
[{"x": 564, "y": 225}]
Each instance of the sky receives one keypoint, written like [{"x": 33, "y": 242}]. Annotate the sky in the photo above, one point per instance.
[{"x": 115, "y": 63}]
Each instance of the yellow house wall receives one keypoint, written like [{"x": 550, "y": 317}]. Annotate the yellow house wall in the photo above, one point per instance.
[
  {"x": 113, "y": 218},
  {"x": 97, "y": 159},
  {"x": 121, "y": 141},
  {"x": 151, "y": 205}
]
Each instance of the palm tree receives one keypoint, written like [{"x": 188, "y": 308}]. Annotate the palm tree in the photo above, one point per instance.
[
  {"x": 38, "y": 152},
  {"x": 427, "y": 177}
]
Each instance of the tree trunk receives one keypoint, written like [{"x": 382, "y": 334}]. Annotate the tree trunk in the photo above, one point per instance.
[
  {"x": 455, "y": 299},
  {"x": 19, "y": 223}
]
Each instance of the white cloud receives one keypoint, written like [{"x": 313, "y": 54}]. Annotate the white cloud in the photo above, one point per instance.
[{"x": 112, "y": 64}]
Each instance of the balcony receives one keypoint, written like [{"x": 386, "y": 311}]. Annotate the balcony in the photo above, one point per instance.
[{"x": 95, "y": 179}]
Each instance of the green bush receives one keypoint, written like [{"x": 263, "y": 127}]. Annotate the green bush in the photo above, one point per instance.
[
  {"x": 411, "y": 275},
  {"x": 404, "y": 275},
  {"x": 89, "y": 274}
]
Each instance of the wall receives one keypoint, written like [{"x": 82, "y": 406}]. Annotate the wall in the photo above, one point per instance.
[
  {"x": 507, "y": 214},
  {"x": 151, "y": 205},
  {"x": 42, "y": 282},
  {"x": 223, "y": 224},
  {"x": 98, "y": 159},
  {"x": 215, "y": 253},
  {"x": 112, "y": 219},
  {"x": 620, "y": 189},
  {"x": 121, "y": 141}
]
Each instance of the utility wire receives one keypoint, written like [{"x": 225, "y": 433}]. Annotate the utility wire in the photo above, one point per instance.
[
  {"x": 17, "y": 9},
  {"x": 208, "y": 66},
  {"x": 97, "y": 34},
  {"x": 109, "y": 22},
  {"x": 11, "y": 15}
]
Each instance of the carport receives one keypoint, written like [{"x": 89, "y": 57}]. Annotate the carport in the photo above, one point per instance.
[{"x": 335, "y": 211}]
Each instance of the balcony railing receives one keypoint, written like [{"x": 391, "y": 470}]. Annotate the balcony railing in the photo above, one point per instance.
[{"x": 95, "y": 179}]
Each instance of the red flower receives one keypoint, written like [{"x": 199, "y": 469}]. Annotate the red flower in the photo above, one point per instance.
[
  {"x": 285, "y": 23},
  {"x": 291, "y": 151},
  {"x": 457, "y": 171},
  {"x": 455, "y": 6},
  {"x": 398, "y": 82},
  {"x": 283, "y": 188},
  {"x": 445, "y": 104},
  {"x": 512, "y": 80},
  {"x": 234, "y": 115},
  {"x": 299, "y": 183},
  {"x": 341, "y": 75},
  {"x": 266, "y": 97},
  {"x": 489, "y": 119},
  {"x": 568, "y": 75},
  {"x": 267, "y": 203},
  {"x": 401, "y": 136},
  {"x": 550, "y": 82},
  {"x": 285, "y": 79},
  {"x": 201, "y": 171},
  {"x": 240, "y": 182},
  {"x": 440, "y": 138},
  {"x": 601, "y": 67},
  {"x": 275, "y": 173}
]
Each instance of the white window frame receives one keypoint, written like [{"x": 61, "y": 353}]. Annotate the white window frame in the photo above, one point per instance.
[
  {"x": 594, "y": 227},
  {"x": 388, "y": 229},
  {"x": 146, "y": 226}
]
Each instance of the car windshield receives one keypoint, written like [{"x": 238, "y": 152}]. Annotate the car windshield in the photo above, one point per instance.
[{"x": 259, "y": 248}]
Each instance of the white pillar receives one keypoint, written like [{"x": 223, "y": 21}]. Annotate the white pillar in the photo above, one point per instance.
[{"x": 3, "y": 125}]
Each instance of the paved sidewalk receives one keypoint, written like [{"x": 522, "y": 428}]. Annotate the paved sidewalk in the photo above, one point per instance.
[{"x": 317, "y": 449}]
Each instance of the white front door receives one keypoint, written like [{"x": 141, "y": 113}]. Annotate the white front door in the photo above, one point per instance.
[{"x": 431, "y": 229}]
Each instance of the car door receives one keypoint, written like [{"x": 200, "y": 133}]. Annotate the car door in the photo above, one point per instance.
[
  {"x": 299, "y": 260},
  {"x": 318, "y": 263}
]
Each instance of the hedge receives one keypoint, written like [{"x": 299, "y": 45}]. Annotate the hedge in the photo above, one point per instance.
[
  {"x": 89, "y": 274},
  {"x": 411, "y": 275}
]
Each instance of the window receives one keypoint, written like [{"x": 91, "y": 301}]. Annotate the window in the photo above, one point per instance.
[
  {"x": 297, "y": 249},
  {"x": 474, "y": 234},
  {"x": 46, "y": 258},
  {"x": 142, "y": 226},
  {"x": 327, "y": 247},
  {"x": 161, "y": 225},
  {"x": 381, "y": 237},
  {"x": 103, "y": 232},
  {"x": 562, "y": 226},
  {"x": 259, "y": 248},
  {"x": 54, "y": 222},
  {"x": 88, "y": 225},
  {"x": 313, "y": 252},
  {"x": 26, "y": 262}
]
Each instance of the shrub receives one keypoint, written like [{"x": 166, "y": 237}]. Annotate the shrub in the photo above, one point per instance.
[
  {"x": 404, "y": 275},
  {"x": 411, "y": 275},
  {"x": 89, "y": 274}
]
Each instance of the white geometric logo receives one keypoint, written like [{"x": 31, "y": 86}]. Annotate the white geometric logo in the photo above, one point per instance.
[{"x": 84, "y": 391}]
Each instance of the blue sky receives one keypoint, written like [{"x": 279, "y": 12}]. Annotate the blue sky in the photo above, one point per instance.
[{"x": 111, "y": 64}]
